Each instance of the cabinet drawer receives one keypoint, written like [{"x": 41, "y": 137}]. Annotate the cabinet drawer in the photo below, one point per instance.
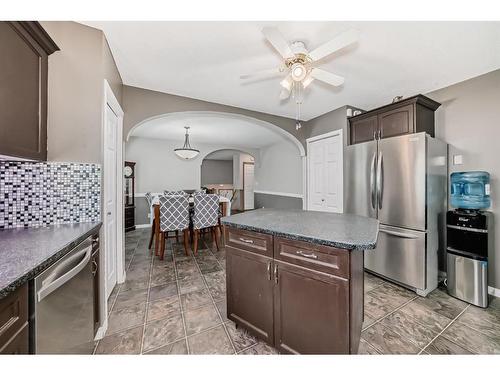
[
  {"x": 255, "y": 242},
  {"x": 317, "y": 257},
  {"x": 13, "y": 313}
]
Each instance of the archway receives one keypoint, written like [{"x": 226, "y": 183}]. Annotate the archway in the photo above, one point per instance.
[{"x": 226, "y": 172}]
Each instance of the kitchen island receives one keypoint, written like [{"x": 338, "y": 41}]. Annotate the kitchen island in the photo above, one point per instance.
[{"x": 295, "y": 278}]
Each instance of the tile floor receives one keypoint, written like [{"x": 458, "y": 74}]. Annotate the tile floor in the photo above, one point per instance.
[{"x": 177, "y": 306}]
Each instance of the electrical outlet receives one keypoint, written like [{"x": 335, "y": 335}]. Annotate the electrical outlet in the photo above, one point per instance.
[
  {"x": 149, "y": 216},
  {"x": 458, "y": 160}
]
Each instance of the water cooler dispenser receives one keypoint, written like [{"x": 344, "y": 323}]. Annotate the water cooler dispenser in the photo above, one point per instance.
[{"x": 469, "y": 237}]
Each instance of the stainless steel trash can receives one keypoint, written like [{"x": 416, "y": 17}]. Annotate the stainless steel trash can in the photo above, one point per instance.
[{"x": 468, "y": 279}]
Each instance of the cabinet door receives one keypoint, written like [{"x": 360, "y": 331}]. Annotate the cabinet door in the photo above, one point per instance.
[
  {"x": 396, "y": 122},
  {"x": 23, "y": 94},
  {"x": 250, "y": 292},
  {"x": 363, "y": 130},
  {"x": 311, "y": 311},
  {"x": 19, "y": 344}
]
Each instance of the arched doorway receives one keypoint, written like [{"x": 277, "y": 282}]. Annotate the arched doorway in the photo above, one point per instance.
[{"x": 230, "y": 173}]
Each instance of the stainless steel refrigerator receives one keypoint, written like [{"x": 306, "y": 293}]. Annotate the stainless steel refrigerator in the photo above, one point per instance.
[{"x": 401, "y": 181}]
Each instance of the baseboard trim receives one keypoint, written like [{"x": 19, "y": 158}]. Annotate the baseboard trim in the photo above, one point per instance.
[
  {"x": 102, "y": 330},
  {"x": 494, "y": 291},
  {"x": 292, "y": 195},
  {"x": 142, "y": 226}
]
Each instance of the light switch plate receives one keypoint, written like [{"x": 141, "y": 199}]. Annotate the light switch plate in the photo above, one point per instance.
[{"x": 458, "y": 160}]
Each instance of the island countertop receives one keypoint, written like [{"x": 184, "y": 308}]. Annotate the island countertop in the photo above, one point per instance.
[
  {"x": 26, "y": 252},
  {"x": 343, "y": 231}
]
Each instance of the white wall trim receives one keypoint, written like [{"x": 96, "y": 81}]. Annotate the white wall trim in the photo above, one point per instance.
[
  {"x": 307, "y": 169},
  {"x": 257, "y": 121},
  {"x": 110, "y": 100},
  {"x": 292, "y": 195},
  {"x": 142, "y": 226},
  {"x": 324, "y": 135},
  {"x": 494, "y": 291}
]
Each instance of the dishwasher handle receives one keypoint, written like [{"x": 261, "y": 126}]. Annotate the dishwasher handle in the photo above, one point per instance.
[{"x": 63, "y": 279}]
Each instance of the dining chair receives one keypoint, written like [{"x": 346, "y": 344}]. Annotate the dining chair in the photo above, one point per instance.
[
  {"x": 174, "y": 216},
  {"x": 149, "y": 198},
  {"x": 206, "y": 215}
]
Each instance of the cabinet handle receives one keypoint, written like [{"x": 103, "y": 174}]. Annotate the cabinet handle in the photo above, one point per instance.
[
  {"x": 269, "y": 276},
  {"x": 276, "y": 273},
  {"x": 300, "y": 252},
  {"x": 245, "y": 240}
]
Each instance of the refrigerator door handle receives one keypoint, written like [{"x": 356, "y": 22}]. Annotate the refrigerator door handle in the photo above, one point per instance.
[
  {"x": 380, "y": 179},
  {"x": 398, "y": 234},
  {"x": 372, "y": 180}
]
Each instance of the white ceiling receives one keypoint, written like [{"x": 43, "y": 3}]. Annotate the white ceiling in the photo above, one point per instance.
[
  {"x": 204, "y": 60},
  {"x": 211, "y": 128}
]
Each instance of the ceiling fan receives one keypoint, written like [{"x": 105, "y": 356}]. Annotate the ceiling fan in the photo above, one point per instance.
[{"x": 300, "y": 65}]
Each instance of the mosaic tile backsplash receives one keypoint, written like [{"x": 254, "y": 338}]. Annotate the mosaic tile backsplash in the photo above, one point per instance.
[{"x": 38, "y": 194}]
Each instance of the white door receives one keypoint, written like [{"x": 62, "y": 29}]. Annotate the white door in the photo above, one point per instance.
[
  {"x": 325, "y": 186},
  {"x": 110, "y": 193},
  {"x": 248, "y": 186}
]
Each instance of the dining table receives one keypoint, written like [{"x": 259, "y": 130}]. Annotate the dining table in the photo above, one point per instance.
[{"x": 224, "y": 203}]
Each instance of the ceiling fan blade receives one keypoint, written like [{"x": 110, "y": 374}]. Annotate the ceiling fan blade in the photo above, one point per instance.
[
  {"x": 278, "y": 42},
  {"x": 337, "y": 43},
  {"x": 327, "y": 77},
  {"x": 265, "y": 73}
]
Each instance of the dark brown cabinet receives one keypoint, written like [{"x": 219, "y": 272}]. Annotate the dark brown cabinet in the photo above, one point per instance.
[
  {"x": 250, "y": 292},
  {"x": 129, "y": 175},
  {"x": 364, "y": 129},
  {"x": 311, "y": 312},
  {"x": 24, "y": 51},
  {"x": 303, "y": 298},
  {"x": 412, "y": 115},
  {"x": 14, "y": 322}
]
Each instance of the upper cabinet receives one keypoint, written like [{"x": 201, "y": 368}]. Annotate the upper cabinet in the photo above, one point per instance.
[
  {"x": 412, "y": 115},
  {"x": 24, "y": 51}
]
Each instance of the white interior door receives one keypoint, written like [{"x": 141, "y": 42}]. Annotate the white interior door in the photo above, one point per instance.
[
  {"x": 110, "y": 193},
  {"x": 248, "y": 186},
  {"x": 325, "y": 182}
]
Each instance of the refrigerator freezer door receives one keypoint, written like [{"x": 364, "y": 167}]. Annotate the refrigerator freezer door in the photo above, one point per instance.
[
  {"x": 399, "y": 255},
  {"x": 401, "y": 181},
  {"x": 360, "y": 193}
]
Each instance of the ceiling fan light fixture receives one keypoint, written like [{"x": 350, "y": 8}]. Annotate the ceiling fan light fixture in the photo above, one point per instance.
[
  {"x": 307, "y": 81},
  {"x": 299, "y": 72},
  {"x": 186, "y": 151}
]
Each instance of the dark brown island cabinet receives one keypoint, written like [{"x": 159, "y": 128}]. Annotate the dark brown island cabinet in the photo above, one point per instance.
[
  {"x": 299, "y": 297},
  {"x": 24, "y": 51},
  {"x": 14, "y": 327},
  {"x": 411, "y": 115}
]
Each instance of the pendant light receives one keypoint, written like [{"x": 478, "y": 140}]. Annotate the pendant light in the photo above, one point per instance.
[{"x": 186, "y": 151}]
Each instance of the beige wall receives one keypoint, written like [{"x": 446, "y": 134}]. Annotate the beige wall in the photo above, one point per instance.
[
  {"x": 469, "y": 121},
  {"x": 75, "y": 91}
]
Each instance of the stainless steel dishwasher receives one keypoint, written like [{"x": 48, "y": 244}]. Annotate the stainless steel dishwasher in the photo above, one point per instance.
[{"x": 64, "y": 304}]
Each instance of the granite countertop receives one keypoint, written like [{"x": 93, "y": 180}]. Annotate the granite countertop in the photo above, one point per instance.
[
  {"x": 338, "y": 230},
  {"x": 26, "y": 252}
]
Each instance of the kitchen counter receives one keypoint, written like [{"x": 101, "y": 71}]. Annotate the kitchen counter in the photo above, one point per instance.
[
  {"x": 338, "y": 230},
  {"x": 26, "y": 252}
]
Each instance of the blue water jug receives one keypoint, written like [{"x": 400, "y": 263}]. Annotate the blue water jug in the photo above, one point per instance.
[{"x": 470, "y": 190}]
